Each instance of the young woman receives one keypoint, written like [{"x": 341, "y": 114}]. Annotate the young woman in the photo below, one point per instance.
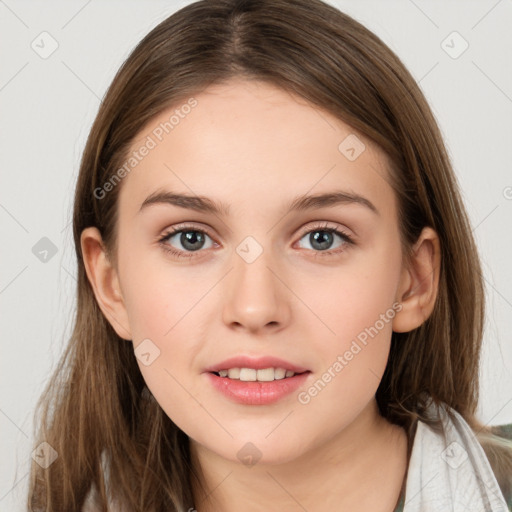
[{"x": 280, "y": 302}]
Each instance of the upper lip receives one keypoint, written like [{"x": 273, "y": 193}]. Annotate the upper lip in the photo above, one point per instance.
[{"x": 258, "y": 363}]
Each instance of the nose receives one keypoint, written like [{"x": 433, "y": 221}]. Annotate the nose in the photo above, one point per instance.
[{"x": 255, "y": 295}]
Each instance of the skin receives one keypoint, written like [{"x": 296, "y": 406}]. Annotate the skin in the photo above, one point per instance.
[{"x": 255, "y": 147}]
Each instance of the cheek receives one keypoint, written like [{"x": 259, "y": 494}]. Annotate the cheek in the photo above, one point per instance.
[
  {"x": 355, "y": 296},
  {"x": 150, "y": 307},
  {"x": 357, "y": 307},
  {"x": 154, "y": 296},
  {"x": 159, "y": 312},
  {"x": 163, "y": 305},
  {"x": 351, "y": 361}
]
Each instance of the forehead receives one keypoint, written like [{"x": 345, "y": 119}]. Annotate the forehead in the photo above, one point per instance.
[{"x": 249, "y": 143}]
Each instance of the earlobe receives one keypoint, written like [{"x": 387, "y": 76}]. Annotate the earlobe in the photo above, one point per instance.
[
  {"x": 104, "y": 281},
  {"x": 417, "y": 291}
]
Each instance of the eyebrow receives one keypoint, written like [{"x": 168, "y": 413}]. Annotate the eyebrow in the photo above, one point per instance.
[{"x": 301, "y": 203}]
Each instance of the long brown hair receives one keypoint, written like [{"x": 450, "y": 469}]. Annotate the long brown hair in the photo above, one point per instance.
[{"x": 96, "y": 411}]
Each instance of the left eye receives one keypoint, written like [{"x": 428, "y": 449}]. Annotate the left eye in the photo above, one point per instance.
[{"x": 322, "y": 237}]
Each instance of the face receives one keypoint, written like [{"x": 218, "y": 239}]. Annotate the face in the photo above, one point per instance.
[{"x": 315, "y": 286}]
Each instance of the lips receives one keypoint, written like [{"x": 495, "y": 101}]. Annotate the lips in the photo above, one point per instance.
[
  {"x": 259, "y": 363},
  {"x": 256, "y": 393}
]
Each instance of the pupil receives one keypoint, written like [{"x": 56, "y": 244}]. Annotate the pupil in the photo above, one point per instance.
[
  {"x": 189, "y": 238},
  {"x": 325, "y": 239}
]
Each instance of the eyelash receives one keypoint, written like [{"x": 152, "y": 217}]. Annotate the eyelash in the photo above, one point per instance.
[{"x": 189, "y": 254}]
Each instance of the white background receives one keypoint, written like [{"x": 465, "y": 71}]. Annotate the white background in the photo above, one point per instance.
[{"x": 48, "y": 105}]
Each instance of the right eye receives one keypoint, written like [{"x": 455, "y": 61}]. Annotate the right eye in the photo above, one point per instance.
[{"x": 190, "y": 238}]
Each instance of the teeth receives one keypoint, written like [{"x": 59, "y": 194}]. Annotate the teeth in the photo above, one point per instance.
[
  {"x": 265, "y": 375},
  {"x": 252, "y": 375},
  {"x": 279, "y": 373},
  {"x": 234, "y": 373},
  {"x": 248, "y": 374}
]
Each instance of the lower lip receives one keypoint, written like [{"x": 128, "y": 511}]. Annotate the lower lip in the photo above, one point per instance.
[{"x": 257, "y": 393}]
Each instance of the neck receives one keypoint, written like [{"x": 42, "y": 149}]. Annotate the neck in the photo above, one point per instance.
[{"x": 362, "y": 467}]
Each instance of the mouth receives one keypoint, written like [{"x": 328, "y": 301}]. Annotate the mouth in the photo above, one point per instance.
[
  {"x": 249, "y": 368},
  {"x": 257, "y": 375}
]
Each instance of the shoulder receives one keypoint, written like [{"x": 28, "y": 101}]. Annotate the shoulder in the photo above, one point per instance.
[
  {"x": 503, "y": 437},
  {"x": 504, "y": 431}
]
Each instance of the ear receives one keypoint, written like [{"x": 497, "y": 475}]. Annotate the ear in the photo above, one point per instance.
[
  {"x": 104, "y": 281},
  {"x": 417, "y": 290}
]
